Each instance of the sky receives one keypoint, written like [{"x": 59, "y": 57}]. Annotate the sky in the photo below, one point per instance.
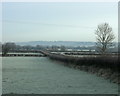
[{"x": 60, "y": 21}]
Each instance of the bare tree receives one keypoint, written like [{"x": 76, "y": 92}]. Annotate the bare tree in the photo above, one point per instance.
[{"x": 104, "y": 37}]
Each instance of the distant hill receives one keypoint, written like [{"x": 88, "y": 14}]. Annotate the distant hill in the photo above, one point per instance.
[{"x": 56, "y": 43}]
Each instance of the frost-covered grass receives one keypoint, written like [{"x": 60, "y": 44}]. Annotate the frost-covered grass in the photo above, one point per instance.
[{"x": 40, "y": 75}]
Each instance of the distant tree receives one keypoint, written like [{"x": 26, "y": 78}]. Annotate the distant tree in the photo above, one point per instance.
[
  {"x": 39, "y": 47},
  {"x": 54, "y": 48},
  {"x": 104, "y": 37},
  {"x": 63, "y": 48},
  {"x": 18, "y": 47},
  {"x": 7, "y": 47}
]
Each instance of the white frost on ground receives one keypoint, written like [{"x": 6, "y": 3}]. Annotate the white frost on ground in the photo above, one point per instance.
[{"x": 40, "y": 75}]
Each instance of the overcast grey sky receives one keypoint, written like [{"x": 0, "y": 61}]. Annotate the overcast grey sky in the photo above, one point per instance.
[{"x": 56, "y": 21}]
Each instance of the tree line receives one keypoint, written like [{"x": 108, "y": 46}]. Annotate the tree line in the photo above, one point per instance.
[{"x": 104, "y": 40}]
